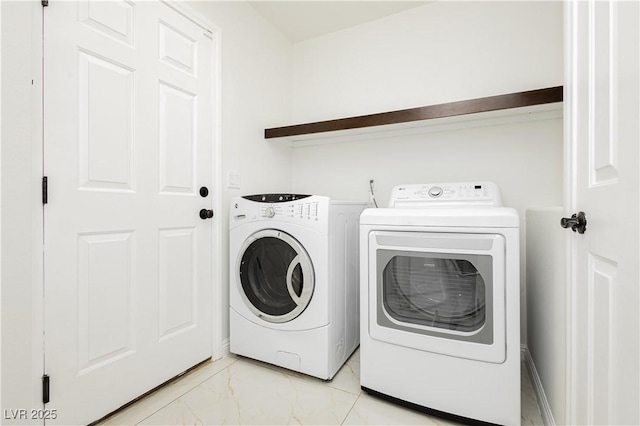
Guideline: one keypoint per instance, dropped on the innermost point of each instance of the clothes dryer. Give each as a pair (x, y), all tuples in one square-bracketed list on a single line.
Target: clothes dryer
[(294, 286), (440, 298)]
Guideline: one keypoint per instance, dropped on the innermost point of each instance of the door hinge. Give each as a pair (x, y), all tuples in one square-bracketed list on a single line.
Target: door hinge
[(45, 389), (45, 190), (44, 3)]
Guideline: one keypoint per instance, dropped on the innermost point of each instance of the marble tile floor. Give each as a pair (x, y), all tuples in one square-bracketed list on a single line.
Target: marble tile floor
[(240, 391)]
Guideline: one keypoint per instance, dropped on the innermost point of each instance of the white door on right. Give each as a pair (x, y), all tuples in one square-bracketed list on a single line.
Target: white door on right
[(602, 118)]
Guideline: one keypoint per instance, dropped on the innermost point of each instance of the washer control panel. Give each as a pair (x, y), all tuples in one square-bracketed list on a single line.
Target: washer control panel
[(305, 210), (275, 198), (292, 208), (446, 194)]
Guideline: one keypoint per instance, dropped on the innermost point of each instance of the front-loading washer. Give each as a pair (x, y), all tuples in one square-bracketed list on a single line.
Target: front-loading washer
[(440, 304), (294, 285)]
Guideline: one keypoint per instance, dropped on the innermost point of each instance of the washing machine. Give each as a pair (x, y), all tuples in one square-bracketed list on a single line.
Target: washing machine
[(294, 281), (440, 300)]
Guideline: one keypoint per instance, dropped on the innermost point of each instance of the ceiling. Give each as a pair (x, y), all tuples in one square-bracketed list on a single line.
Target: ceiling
[(304, 19)]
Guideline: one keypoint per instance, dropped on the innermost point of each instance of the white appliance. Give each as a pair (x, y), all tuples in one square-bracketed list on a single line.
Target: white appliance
[(440, 298), (294, 287)]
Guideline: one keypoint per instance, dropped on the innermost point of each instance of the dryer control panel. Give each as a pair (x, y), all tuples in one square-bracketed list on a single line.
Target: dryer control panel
[(472, 194)]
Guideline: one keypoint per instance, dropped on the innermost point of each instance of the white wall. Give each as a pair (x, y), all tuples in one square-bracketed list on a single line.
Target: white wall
[(21, 283), (440, 52), (525, 159), (547, 304)]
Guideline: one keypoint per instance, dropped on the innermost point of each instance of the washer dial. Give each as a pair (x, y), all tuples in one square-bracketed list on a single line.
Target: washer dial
[(269, 212)]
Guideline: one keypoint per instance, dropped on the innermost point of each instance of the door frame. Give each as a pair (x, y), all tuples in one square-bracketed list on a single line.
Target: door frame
[(569, 188), (37, 362), (569, 152)]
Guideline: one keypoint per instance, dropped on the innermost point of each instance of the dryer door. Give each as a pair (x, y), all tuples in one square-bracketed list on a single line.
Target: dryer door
[(439, 292), (276, 277)]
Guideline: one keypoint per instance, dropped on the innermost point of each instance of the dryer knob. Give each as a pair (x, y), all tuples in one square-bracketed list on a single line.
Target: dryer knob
[(270, 212), (435, 191)]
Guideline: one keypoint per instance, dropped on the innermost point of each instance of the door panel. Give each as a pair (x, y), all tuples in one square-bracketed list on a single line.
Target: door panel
[(601, 291), (178, 285), (177, 49), (128, 261), (177, 134), (105, 119), (105, 277), (603, 89), (114, 19)]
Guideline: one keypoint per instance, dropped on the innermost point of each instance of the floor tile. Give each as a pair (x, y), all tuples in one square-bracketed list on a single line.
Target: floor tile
[(348, 377), (530, 410), (147, 406), (237, 390), (369, 410), (247, 393)]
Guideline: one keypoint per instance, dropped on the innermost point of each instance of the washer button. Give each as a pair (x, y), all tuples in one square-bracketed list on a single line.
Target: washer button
[(435, 191)]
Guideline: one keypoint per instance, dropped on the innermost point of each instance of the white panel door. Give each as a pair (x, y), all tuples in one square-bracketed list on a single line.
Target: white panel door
[(128, 145), (603, 136)]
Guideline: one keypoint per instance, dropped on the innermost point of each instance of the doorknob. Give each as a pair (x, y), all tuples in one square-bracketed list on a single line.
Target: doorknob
[(206, 214), (577, 222)]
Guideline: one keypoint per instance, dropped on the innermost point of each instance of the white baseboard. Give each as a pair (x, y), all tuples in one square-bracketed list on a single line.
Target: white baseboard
[(225, 347), (545, 408)]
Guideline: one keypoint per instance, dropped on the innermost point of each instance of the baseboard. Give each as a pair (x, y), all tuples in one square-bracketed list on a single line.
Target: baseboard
[(226, 347), (545, 408)]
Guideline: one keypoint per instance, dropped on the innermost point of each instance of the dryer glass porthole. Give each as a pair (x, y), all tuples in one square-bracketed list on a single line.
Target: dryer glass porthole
[(276, 276), (443, 295), (439, 293)]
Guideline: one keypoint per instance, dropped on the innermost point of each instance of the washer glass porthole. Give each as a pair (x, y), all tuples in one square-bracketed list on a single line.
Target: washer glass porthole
[(276, 277)]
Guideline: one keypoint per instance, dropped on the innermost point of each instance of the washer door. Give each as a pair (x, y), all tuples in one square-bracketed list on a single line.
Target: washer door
[(276, 277)]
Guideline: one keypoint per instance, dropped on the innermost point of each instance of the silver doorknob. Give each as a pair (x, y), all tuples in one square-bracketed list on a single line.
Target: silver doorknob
[(577, 222)]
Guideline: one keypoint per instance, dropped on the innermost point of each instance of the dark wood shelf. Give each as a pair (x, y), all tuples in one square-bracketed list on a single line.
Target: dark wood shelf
[(473, 106)]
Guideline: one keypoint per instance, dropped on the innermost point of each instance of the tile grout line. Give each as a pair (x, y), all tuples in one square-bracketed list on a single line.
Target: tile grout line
[(351, 409)]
